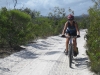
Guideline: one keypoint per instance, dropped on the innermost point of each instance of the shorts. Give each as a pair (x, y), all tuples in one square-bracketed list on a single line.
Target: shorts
[(71, 32)]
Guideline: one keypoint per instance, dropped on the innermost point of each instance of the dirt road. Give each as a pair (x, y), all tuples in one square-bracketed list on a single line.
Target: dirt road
[(46, 57)]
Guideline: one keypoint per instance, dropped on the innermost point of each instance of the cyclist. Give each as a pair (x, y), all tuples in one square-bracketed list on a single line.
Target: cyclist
[(71, 28)]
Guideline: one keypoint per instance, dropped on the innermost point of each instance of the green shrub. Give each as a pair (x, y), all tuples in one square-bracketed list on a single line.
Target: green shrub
[(15, 27), (93, 38)]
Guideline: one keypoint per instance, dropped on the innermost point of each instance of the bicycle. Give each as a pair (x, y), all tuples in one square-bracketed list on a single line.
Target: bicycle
[(70, 49)]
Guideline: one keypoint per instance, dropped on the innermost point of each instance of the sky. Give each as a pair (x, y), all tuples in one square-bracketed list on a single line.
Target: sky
[(45, 6)]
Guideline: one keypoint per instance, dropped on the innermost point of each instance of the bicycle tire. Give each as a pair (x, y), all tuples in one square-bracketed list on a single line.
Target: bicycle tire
[(70, 56)]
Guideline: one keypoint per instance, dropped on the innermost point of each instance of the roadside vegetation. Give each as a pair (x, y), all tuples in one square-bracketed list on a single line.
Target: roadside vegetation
[(21, 26), (93, 37)]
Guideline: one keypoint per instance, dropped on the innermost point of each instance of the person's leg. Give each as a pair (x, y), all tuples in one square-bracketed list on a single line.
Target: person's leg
[(75, 46), (67, 42), (75, 43)]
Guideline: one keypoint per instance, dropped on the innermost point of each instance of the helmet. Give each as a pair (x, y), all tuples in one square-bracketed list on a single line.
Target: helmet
[(70, 17)]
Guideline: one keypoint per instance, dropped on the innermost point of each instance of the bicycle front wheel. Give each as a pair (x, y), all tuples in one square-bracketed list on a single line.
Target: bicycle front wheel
[(70, 55)]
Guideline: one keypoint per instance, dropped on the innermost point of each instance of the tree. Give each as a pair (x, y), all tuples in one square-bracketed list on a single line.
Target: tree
[(71, 11), (15, 3)]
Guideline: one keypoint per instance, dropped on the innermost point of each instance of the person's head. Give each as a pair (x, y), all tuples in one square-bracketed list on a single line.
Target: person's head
[(70, 17)]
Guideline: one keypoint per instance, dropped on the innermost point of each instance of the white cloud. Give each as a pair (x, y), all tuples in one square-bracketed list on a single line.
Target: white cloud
[(44, 6)]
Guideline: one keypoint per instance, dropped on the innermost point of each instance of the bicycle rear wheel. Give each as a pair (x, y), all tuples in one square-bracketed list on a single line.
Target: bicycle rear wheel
[(70, 55)]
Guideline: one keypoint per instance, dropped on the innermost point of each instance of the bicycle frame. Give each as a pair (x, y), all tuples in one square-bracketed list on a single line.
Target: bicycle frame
[(70, 50), (71, 43)]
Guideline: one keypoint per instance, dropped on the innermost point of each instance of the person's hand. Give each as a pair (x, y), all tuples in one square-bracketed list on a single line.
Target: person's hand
[(78, 36), (63, 35)]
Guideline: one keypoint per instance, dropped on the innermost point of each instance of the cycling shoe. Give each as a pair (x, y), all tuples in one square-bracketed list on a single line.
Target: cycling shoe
[(66, 52)]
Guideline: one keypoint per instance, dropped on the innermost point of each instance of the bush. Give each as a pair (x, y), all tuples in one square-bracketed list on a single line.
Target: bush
[(93, 39), (15, 27)]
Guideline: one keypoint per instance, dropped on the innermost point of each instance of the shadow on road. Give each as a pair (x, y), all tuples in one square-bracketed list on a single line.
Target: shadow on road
[(27, 55), (42, 46), (52, 52), (81, 62)]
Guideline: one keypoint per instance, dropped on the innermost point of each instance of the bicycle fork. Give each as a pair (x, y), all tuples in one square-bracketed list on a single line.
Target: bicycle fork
[(70, 52)]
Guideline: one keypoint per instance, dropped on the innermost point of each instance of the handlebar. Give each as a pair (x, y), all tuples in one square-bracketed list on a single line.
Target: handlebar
[(70, 36)]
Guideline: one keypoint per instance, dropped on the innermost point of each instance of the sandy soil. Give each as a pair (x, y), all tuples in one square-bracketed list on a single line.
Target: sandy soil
[(46, 57)]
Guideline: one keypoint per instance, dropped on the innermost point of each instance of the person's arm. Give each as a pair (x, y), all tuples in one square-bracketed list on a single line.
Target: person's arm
[(65, 27), (76, 25)]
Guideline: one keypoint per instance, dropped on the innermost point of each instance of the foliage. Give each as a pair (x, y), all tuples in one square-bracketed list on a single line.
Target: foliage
[(93, 37), (33, 13), (83, 21), (18, 26), (42, 27), (57, 18), (15, 27)]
